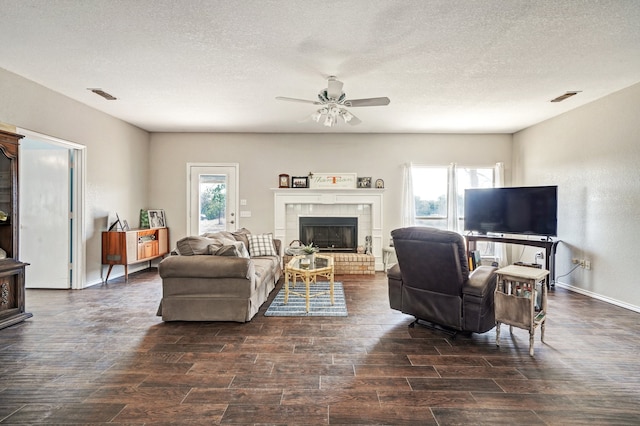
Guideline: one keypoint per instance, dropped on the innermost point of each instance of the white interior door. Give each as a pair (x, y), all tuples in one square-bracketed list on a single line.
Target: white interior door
[(45, 188), (212, 198)]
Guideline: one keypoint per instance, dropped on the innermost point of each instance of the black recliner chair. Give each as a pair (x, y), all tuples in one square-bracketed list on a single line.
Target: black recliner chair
[(431, 281)]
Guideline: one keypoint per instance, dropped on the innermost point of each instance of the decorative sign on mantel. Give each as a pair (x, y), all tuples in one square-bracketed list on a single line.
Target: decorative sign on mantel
[(333, 180)]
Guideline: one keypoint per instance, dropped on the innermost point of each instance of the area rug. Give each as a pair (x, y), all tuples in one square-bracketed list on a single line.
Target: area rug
[(319, 306)]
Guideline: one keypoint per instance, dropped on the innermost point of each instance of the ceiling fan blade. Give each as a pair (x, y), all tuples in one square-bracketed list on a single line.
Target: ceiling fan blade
[(334, 88), (305, 101), (367, 102), (354, 120), (306, 119)]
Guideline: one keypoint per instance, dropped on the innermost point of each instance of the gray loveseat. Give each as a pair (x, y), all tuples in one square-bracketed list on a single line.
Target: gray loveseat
[(216, 277)]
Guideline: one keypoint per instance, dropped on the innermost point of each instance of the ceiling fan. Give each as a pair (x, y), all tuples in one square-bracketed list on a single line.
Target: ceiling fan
[(333, 103)]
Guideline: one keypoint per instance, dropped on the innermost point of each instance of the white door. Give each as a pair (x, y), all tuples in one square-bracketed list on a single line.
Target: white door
[(45, 188), (212, 198)]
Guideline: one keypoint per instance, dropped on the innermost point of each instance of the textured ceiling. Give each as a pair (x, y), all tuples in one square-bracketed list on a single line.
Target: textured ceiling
[(485, 66)]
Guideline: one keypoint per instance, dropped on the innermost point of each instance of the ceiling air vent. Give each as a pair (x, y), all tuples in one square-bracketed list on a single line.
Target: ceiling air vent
[(565, 96), (104, 94)]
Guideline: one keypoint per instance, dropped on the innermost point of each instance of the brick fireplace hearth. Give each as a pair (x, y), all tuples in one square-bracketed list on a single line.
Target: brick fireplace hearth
[(364, 204), (349, 263)]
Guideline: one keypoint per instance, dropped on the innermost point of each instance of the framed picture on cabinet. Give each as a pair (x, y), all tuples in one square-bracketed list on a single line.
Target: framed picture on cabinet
[(156, 219), (116, 225)]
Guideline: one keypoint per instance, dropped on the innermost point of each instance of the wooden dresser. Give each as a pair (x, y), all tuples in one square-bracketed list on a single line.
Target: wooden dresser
[(135, 246)]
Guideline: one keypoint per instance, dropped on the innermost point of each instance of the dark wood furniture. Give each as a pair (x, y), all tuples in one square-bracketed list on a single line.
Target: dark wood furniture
[(135, 246), (12, 271), (549, 246)]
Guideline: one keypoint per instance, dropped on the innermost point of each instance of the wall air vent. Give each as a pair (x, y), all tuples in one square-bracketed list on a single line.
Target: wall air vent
[(565, 96), (104, 94)]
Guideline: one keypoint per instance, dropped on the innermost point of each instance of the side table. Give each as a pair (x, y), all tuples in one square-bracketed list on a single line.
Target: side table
[(515, 300), (386, 254)]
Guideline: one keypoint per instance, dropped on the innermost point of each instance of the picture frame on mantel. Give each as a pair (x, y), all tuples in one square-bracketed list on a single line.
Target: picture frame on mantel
[(333, 180), (364, 182), (299, 182)]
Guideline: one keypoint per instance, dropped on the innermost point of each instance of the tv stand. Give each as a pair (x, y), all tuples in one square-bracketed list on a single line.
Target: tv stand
[(549, 246)]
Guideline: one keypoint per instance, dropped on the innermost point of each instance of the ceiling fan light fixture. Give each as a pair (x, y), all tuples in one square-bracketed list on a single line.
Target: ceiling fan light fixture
[(346, 115), (329, 121), (333, 102)]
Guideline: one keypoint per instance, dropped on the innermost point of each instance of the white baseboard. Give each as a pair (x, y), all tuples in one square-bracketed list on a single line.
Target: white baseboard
[(599, 297), (118, 271)]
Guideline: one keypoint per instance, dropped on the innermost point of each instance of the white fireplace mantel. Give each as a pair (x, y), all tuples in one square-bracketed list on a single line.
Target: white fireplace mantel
[(333, 196)]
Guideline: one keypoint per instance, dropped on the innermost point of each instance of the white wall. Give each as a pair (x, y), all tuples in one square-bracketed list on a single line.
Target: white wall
[(262, 157), (592, 153), (117, 163)]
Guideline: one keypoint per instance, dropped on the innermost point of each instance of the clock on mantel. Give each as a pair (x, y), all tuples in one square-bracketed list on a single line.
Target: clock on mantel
[(283, 181)]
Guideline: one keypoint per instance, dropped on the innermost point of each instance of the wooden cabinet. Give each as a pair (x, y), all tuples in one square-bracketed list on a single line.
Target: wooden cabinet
[(135, 246), (12, 271)]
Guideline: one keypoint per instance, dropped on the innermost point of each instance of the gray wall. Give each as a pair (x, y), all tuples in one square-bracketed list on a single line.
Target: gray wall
[(592, 153), (116, 154), (262, 157)]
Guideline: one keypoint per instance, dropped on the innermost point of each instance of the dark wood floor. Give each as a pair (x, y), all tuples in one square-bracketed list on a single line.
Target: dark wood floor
[(100, 355)]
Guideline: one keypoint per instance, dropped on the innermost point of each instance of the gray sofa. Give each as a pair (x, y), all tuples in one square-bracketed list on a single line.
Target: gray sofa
[(215, 277)]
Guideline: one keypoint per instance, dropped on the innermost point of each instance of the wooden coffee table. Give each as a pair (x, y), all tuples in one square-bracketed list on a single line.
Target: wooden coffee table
[(321, 267)]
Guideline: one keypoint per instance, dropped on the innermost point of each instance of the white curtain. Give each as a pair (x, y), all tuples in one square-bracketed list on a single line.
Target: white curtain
[(500, 248), (408, 208), (452, 199)]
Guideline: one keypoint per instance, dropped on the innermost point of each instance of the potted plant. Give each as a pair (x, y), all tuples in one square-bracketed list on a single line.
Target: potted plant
[(310, 250)]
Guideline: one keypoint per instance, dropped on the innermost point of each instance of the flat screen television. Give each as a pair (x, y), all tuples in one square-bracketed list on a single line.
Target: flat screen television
[(529, 210)]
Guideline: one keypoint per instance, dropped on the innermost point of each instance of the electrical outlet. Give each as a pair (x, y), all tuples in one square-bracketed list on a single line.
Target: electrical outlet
[(586, 264)]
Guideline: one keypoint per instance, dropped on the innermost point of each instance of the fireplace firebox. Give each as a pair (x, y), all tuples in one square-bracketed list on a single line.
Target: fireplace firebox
[(330, 234)]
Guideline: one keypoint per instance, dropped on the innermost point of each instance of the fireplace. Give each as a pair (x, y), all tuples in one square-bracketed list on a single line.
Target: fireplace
[(365, 205), (331, 234)]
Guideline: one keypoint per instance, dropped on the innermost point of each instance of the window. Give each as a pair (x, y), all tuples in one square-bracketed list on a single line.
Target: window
[(468, 178), (430, 195), (431, 186)]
